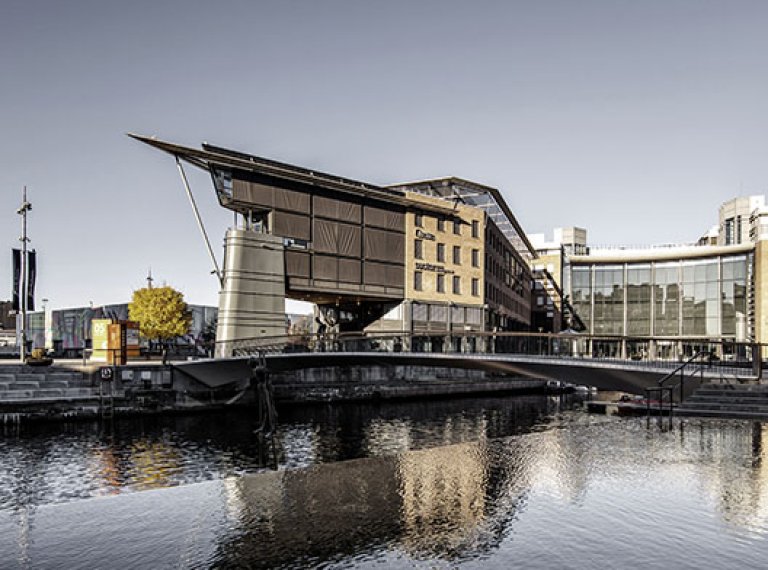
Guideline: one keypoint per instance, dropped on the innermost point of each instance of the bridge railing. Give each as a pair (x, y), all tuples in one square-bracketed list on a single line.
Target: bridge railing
[(729, 358)]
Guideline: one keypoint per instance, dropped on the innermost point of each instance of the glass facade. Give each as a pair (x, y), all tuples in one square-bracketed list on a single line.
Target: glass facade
[(689, 298), (639, 284), (666, 299), (701, 296), (581, 293), (734, 290), (608, 300)]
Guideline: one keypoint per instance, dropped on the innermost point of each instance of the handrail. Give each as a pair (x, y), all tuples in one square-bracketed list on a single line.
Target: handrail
[(505, 334), (661, 388), (734, 357), (684, 364)]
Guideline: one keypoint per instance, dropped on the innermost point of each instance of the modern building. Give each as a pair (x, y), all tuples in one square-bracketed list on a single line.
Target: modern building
[(551, 311), (7, 316), (442, 256), (654, 298), (437, 255), (66, 332), (669, 294), (734, 219)]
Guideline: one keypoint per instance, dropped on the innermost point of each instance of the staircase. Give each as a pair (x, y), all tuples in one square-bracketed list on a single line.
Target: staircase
[(25, 384), (749, 401)]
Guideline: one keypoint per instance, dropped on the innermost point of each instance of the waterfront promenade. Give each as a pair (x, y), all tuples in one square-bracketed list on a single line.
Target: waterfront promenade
[(370, 367)]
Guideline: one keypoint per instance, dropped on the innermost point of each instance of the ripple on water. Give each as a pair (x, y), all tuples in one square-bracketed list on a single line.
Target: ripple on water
[(467, 482)]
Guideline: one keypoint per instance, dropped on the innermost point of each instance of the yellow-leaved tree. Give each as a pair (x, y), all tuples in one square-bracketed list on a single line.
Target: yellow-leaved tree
[(161, 313)]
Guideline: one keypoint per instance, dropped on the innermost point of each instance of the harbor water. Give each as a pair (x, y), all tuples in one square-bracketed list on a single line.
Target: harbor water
[(533, 482)]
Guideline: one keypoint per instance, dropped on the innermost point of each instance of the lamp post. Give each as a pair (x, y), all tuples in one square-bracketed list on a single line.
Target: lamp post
[(22, 211)]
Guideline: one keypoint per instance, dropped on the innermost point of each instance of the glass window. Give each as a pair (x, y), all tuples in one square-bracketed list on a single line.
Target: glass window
[(222, 181), (438, 313), (419, 220), (475, 287), (475, 228), (418, 249), (581, 292), (666, 295), (457, 254), (474, 316), (733, 307), (457, 227), (639, 299), (440, 224), (440, 283), (417, 281), (456, 285), (608, 299), (701, 298), (475, 258), (729, 232), (441, 252)]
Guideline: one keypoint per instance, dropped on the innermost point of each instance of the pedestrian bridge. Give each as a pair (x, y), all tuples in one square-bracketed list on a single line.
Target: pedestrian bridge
[(607, 363)]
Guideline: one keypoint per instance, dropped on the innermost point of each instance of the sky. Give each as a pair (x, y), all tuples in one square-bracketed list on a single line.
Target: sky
[(635, 120)]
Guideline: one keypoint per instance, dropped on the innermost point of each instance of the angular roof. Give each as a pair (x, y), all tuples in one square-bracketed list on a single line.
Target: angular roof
[(213, 156)]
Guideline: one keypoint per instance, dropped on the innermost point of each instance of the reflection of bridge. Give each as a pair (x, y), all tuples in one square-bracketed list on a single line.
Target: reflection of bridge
[(609, 363)]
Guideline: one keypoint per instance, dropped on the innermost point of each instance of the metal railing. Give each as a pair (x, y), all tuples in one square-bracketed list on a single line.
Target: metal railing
[(725, 358), (663, 390)]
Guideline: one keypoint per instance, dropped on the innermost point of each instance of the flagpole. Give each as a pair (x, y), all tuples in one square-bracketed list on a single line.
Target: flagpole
[(22, 211)]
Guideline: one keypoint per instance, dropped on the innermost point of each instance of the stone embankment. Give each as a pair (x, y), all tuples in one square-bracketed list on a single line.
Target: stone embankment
[(73, 390)]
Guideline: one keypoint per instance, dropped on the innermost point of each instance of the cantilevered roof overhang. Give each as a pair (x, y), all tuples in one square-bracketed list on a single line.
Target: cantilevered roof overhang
[(212, 156)]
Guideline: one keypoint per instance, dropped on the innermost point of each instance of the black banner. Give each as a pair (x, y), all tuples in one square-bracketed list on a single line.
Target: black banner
[(31, 276), (16, 263)]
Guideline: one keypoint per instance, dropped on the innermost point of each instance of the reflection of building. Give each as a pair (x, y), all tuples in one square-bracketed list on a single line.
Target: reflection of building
[(443, 494), (738, 483)]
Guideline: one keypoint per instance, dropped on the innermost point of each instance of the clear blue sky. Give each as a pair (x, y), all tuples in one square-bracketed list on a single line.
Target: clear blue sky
[(633, 119)]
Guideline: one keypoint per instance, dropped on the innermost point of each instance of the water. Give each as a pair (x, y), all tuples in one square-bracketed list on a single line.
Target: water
[(530, 482)]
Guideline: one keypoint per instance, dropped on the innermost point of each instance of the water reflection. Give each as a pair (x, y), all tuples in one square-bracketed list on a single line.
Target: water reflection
[(492, 482), (463, 502), (51, 463)]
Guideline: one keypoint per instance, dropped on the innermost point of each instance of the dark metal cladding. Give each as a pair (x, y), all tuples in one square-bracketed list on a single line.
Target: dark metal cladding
[(344, 239)]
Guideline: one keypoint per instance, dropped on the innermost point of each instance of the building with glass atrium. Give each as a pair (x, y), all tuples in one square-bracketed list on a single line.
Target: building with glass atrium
[(655, 297), (692, 293)]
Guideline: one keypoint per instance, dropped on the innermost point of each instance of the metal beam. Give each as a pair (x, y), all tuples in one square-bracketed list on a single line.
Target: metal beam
[(199, 220)]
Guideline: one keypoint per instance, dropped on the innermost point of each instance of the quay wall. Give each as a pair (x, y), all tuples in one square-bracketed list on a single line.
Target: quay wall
[(74, 391)]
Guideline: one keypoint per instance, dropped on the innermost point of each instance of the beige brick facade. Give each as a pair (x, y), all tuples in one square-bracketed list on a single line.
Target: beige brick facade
[(425, 228), (761, 292)]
